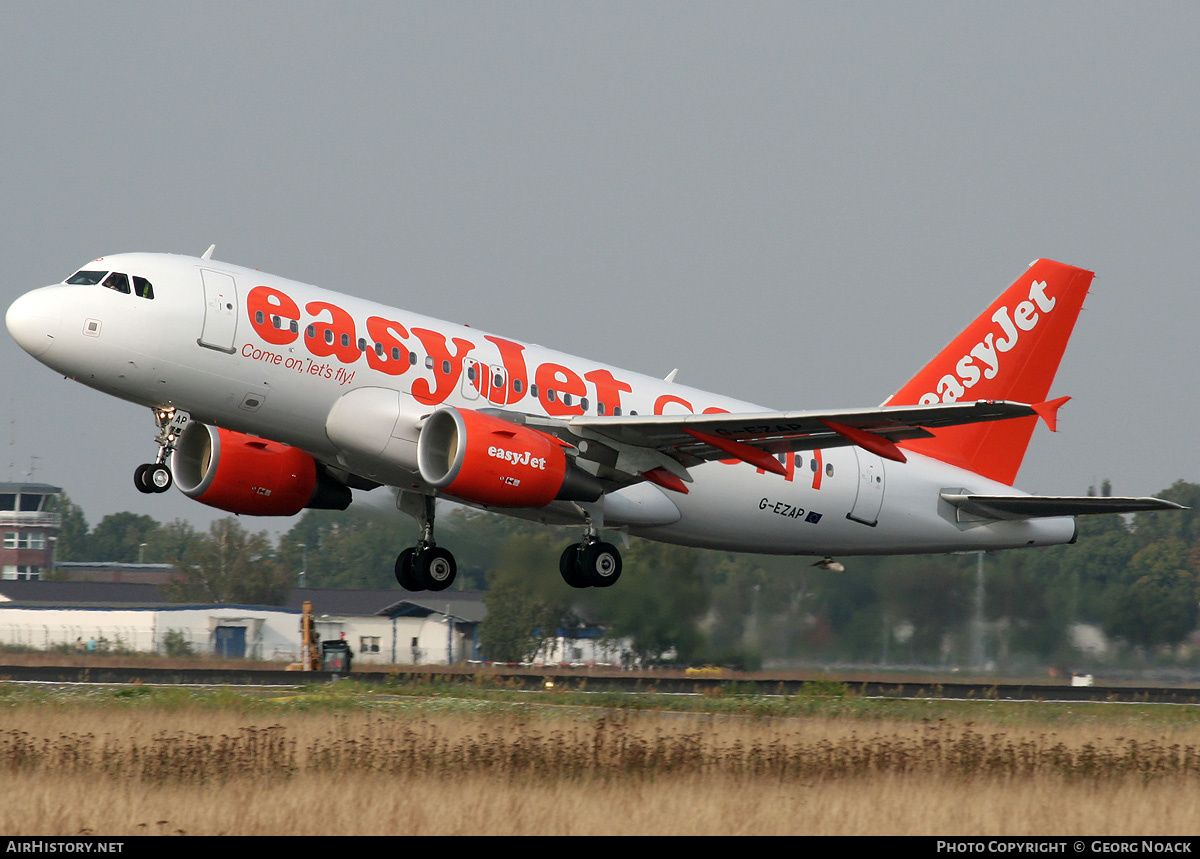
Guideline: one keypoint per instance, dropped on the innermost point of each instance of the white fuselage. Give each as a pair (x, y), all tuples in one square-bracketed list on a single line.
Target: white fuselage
[(272, 357)]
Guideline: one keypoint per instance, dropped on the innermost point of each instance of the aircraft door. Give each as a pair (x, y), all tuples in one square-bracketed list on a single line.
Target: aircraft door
[(871, 485), (220, 311), (499, 389), (474, 379), (483, 379)]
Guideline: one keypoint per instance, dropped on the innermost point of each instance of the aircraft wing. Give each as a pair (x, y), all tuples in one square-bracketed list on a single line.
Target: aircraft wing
[(1035, 506), (646, 446)]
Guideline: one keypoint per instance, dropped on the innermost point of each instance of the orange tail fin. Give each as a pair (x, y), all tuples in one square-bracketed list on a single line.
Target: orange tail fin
[(1011, 352)]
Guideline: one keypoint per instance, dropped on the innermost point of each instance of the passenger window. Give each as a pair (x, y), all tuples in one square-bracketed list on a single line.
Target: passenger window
[(86, 278), (310, 332), (117, 281), (329, 336), (518, 386), (600, 408), (142, 287)]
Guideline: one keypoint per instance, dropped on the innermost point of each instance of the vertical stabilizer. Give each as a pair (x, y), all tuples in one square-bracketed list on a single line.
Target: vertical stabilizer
[(1011, 352)]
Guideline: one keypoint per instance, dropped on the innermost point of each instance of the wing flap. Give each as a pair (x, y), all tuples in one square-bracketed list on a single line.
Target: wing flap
[(683, 436)]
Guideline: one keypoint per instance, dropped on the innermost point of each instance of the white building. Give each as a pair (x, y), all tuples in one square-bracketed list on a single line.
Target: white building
[(107, 617), (382, 626), (396, 627)]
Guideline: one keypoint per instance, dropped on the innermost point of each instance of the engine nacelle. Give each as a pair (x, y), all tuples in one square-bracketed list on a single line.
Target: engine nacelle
[(245, 474), (490, 461)]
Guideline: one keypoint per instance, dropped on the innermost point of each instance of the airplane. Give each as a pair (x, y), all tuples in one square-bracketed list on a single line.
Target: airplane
[(271, 396)]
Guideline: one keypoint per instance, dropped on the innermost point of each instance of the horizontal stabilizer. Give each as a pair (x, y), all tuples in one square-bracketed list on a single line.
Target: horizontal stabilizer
[(1036, 506)]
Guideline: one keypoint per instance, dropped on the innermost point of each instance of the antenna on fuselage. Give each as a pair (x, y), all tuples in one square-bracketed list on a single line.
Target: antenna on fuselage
[(208, 253), (671, 376)]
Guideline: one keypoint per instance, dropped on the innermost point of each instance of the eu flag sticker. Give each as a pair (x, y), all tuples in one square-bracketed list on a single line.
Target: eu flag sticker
[(813, 517)]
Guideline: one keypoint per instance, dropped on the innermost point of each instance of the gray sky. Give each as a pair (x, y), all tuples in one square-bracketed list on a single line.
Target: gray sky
[(794, 203)]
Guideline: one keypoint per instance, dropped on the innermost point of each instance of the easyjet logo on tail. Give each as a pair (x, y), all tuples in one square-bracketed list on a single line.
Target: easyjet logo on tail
[(1011, 351), (984, 358)]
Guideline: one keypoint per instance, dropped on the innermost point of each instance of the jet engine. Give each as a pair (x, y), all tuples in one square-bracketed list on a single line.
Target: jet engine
[(245, 474), (488, 460)]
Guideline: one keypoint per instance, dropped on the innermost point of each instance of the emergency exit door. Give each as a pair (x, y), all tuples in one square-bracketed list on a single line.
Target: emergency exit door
[(220, 311)]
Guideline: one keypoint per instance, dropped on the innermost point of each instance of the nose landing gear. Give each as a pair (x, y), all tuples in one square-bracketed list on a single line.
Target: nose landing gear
[(154, 477)]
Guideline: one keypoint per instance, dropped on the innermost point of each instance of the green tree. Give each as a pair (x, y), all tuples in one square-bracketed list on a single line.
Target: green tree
[(172, 543), (525, 607), (231, 565), (119, 537), (1158, 604), (73, 535), (658, 603), (355, 548)]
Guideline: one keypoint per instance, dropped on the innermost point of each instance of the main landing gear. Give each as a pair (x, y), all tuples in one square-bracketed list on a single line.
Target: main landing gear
[(591, 563), (156, 476), (427, 566)]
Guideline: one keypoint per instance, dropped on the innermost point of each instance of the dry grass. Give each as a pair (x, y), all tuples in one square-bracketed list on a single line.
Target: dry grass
[(132, 770)]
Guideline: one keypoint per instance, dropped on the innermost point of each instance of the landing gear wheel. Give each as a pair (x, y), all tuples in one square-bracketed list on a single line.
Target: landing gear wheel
[(568, 567), (434, 568), (600, 563), (158, 478), (152, 477), (139, 478), (404, 571)]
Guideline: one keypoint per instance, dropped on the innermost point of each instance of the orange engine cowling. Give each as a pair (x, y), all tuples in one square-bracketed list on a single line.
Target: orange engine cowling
[(488, 460), (245, 474)]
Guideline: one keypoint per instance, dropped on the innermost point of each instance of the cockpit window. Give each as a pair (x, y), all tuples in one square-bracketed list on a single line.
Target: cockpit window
[(118, 281), (86, 278), (142, 287)]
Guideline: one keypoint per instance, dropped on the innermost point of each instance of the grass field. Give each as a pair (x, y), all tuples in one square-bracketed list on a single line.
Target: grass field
[(348, 759)]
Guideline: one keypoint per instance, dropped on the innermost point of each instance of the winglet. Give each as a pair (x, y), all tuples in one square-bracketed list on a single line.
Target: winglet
[(744, 452), (869, 441), (665, 479), (1048, 411)]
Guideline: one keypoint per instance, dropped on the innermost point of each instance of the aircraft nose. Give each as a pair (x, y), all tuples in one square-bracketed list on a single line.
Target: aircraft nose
[(33, 321)]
